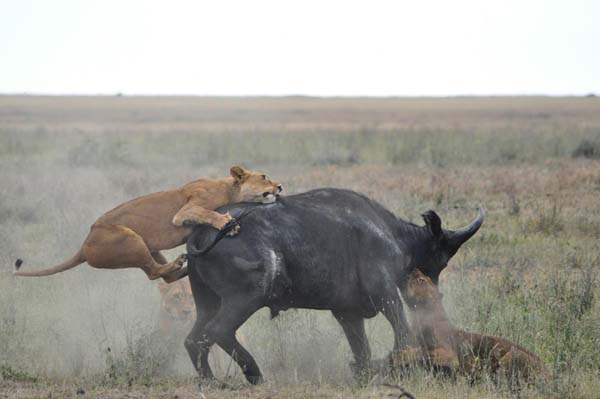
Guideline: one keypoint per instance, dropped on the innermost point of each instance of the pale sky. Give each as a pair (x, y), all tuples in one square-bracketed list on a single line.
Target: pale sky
[(255, 47)]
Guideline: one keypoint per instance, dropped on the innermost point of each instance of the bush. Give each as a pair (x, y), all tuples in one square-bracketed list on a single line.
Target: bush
[(588, 148), (11, 374)]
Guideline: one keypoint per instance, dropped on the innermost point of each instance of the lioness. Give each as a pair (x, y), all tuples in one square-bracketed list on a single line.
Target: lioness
[(440, 345), (176, 306), (132, 234)]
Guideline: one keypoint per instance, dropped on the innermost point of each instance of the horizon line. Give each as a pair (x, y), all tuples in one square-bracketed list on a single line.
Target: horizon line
[(124, 94)]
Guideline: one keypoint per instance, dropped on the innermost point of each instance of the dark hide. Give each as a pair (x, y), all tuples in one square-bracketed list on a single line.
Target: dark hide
[(325, 249)]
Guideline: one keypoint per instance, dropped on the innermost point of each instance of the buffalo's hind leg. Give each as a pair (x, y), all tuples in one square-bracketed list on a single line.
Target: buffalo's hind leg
[(221, 329), (229, 343), (354, 328), (207, 306)]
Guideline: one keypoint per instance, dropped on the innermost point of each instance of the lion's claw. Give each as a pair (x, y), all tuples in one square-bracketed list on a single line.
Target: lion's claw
[(181, 259), (231, 228), (234, 230)]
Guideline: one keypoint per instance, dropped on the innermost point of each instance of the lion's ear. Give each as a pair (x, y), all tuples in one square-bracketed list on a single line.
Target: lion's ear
[(238, 173)]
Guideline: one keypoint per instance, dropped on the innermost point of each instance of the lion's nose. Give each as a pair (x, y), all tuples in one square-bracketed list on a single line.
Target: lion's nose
[(279, 188)]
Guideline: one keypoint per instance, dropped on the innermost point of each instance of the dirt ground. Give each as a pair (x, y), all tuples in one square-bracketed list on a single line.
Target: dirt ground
[(188, 389)]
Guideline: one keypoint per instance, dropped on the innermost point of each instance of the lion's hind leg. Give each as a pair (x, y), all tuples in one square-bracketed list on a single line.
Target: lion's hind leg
[(518, 366), (118, 247), (171, 276)]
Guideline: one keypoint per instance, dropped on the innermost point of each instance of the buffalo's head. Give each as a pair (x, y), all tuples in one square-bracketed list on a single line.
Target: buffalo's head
[(443, 244)]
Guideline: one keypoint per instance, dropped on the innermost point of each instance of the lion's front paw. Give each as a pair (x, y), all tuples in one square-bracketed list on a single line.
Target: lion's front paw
[(181, 259), (231, 226), (224, 221)]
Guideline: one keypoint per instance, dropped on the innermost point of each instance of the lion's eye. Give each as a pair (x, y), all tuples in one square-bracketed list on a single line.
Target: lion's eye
[(264, 177)]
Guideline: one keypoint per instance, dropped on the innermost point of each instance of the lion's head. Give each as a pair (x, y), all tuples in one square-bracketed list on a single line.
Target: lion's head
[(177, 302), (419, 289), (255, 186)]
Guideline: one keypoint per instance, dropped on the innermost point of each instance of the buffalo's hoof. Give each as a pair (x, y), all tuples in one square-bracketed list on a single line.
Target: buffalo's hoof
[(255, 379), (362, 373), (201, 392), (204, 382)]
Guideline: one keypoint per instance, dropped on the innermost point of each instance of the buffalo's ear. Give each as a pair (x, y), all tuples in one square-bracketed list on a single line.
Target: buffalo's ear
[(433, 223), (238, 173)]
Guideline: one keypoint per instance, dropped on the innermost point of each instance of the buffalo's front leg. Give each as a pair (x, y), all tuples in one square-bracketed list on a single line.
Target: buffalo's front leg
[(392, 309), (354, 328)]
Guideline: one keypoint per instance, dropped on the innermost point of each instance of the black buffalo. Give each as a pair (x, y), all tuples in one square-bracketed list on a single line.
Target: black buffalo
[(325, 249)]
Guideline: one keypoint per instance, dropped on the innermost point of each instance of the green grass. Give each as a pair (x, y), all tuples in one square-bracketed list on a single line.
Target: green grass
[(530, 274)]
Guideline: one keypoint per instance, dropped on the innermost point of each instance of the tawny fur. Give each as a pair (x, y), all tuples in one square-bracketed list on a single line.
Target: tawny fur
[(132, 234), (176, 306), (440, 345)]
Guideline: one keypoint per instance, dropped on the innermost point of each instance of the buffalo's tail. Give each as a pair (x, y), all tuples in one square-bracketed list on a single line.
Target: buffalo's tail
[(193, 250)]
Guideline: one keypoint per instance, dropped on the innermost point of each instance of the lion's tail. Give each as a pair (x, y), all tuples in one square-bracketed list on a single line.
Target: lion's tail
[(75, 260)]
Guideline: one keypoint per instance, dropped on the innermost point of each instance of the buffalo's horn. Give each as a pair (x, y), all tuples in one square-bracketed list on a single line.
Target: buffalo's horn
[(459, 237)]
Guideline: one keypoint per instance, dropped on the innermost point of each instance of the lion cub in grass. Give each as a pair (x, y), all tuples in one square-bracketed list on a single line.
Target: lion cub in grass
[(134, 233), (441, 346)]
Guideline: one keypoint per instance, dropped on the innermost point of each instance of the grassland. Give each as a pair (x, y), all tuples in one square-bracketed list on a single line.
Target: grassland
[(530, 275)]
